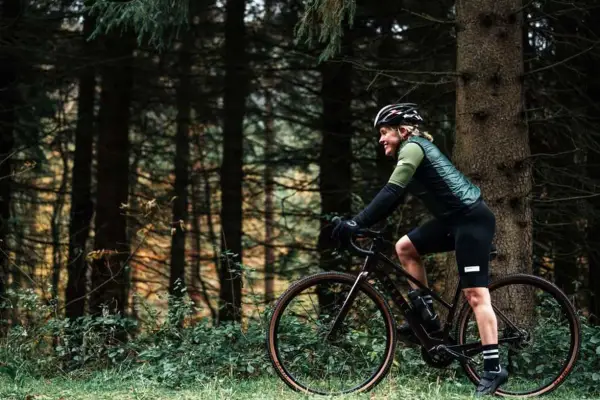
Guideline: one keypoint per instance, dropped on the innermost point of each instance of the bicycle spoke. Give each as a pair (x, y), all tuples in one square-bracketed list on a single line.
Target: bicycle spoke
[(359, 350), (538, 335), (503, 317)]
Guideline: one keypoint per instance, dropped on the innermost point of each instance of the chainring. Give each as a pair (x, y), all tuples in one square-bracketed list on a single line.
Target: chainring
[(437, 360)]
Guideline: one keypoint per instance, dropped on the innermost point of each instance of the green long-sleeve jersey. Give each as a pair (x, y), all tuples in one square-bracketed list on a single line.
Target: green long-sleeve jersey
[(424, 171)]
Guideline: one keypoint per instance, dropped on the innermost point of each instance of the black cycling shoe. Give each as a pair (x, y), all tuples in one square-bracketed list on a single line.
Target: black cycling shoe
[(490, 381)]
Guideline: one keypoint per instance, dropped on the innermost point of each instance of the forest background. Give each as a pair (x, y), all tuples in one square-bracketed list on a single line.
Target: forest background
[(168, 164)]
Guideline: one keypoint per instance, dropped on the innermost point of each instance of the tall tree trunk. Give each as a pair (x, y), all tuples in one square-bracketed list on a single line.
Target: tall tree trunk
[(566, 268), (269, 208), (11, 11), (196, 273), (492, 145), (56, 223), (564, 167), (82, 207), (335, 161), (386, 94), (206, 206), (594, 272), (133, 225), (20, 261), (182, 161), (234, 104), (197, 279), (108, 271), (268, 174), (593, 229), (537, 144), (593, 162)]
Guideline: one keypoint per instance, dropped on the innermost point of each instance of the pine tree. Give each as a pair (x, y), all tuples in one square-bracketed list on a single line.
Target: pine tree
[(109, 278), (234, 110), (10, 15), (81, 202)]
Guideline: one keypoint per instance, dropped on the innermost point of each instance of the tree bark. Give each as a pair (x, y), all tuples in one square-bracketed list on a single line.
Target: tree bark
[(492, 145), (268, 173), (57, 256), (386, 94), (197, 279), (234, 104), (21, 260), (593, 161), (11, 11), (82, 206), (567, 237), (207, 207), (269, 208), (108, 271), (335, 160), (566, 267), (182, 160)]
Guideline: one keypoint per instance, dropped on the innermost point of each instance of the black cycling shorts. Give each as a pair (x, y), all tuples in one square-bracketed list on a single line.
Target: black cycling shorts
[(469, 234)]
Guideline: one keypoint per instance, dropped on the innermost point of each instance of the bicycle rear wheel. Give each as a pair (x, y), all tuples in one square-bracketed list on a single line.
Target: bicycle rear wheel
[(355, 361), (538, 334)]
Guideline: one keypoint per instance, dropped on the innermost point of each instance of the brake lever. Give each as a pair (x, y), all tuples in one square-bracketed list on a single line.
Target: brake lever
[(366, 233)]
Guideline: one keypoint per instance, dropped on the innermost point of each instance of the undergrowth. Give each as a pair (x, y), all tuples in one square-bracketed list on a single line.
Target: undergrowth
[(178, 351)]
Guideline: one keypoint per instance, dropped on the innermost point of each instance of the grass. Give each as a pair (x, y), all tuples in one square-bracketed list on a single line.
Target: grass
[(111, 385)]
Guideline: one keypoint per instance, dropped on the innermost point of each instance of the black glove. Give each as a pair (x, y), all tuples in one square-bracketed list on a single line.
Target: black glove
[(344, 230)]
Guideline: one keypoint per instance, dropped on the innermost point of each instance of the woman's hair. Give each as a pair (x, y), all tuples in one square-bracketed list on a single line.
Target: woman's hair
[(415, 131)]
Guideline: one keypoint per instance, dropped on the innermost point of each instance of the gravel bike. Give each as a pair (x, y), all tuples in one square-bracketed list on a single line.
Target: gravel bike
[(335, 333)]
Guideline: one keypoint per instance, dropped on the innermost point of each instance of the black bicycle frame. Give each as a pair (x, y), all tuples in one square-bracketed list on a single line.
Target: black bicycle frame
[(372, 267)]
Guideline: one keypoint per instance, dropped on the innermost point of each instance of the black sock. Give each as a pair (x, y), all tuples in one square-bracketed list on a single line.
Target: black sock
[(491, 359)]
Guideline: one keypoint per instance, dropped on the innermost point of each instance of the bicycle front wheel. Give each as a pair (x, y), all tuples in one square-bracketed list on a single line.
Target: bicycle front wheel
[(538, 334), (307, 359)]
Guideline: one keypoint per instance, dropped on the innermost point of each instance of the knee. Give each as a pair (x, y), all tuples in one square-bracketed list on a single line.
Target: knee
[(406, 250), (476, 297)]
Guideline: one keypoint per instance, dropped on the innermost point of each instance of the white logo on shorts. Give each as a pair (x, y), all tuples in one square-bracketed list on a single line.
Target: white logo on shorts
[(474, 268)]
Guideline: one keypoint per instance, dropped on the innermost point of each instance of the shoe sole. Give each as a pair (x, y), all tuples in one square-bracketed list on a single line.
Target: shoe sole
[(492, 393)]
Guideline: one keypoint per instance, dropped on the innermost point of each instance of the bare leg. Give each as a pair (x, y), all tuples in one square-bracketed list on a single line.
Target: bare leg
[(480, 301), (493, 375), (411, 261)]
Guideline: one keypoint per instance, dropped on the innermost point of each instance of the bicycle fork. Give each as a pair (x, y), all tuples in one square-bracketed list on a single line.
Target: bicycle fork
[(346, 306)]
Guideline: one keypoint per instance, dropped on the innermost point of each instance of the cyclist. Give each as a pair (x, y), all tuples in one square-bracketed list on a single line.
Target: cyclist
[(462, 222)]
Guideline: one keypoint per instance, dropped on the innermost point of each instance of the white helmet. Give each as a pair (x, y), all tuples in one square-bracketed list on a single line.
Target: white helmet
[(398, 114)]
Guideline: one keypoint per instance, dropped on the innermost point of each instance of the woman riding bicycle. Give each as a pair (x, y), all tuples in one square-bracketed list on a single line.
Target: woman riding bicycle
[(462, 222)]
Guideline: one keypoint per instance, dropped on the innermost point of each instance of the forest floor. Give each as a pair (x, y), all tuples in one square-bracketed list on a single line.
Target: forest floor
[(110, 386)]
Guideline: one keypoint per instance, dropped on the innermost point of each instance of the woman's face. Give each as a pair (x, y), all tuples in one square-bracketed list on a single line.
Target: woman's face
[(391, 137)]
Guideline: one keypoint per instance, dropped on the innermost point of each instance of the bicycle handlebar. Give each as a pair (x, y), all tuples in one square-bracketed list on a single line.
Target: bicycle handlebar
[(369, 233)]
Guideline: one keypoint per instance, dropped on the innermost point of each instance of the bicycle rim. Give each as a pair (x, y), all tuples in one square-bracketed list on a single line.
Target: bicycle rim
[(547, 332), (356, 361)]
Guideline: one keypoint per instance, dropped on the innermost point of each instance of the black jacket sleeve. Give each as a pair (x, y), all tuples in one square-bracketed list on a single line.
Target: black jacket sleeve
[(386, 201)]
